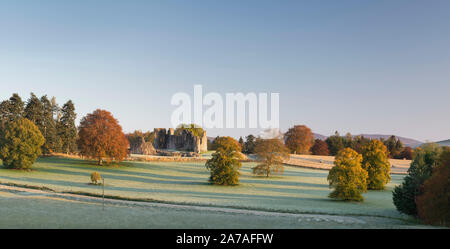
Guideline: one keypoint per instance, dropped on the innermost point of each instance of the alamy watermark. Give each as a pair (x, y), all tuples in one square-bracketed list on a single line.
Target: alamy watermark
[(238, 110)]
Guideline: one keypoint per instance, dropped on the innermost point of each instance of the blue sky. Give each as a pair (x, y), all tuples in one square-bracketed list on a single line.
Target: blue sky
[(352, 66)]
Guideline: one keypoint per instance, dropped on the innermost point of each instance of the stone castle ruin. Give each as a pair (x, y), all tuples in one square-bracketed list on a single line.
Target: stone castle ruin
[(180, 140), (139, 146), (169, 142)]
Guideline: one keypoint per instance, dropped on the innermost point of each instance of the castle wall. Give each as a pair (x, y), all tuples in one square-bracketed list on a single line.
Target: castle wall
[(185, 141), (142, 147)]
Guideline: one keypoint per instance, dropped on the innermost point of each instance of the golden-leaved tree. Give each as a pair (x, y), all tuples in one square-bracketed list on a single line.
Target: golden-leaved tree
[(225, 162), (347, 177), (20, 144), (376, 163)]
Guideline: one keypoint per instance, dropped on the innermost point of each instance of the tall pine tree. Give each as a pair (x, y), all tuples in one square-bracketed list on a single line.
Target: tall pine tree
[(48, 129), (33, 111), (11, 110), (66, 129)]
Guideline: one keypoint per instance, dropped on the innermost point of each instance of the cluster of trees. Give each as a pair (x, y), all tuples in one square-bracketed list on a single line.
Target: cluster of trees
[(226, 161), (38, 126), (395, 147), (354, 173), (300, 140), (425, 190), (56, 124), (423, 193)]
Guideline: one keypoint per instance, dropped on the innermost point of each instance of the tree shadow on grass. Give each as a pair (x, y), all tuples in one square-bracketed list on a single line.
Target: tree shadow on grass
[(182, 180), (117, 175), (128, 174), (127, 166), (124, 174), (76, 161), (185, 193)]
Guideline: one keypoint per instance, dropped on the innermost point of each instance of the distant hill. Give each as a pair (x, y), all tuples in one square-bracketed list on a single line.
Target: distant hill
[(319, 136), (406, 141), (444, 142)]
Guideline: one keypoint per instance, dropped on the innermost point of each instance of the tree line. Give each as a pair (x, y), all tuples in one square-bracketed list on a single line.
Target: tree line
[(39, 125), (55, 123), (299, 139)]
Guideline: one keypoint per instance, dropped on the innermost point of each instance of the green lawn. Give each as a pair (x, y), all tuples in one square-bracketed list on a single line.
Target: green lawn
[(298, 190)]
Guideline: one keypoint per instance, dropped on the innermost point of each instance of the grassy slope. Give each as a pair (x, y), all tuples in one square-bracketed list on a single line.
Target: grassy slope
[(298, 190)]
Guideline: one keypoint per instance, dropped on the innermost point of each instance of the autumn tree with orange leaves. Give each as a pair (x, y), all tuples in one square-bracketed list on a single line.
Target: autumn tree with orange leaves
[(101, 137), (299, 139)]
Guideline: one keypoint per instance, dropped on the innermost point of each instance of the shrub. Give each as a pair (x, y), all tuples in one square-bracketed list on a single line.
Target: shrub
[(299, 139), (20, 144), (225, 162), (96, 178), (434, 204), (100, 136), (376, 163), (347, 177), (320, 148), (425, 159)]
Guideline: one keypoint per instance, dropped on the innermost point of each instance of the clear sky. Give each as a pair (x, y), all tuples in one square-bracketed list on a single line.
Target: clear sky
[(352, 66)]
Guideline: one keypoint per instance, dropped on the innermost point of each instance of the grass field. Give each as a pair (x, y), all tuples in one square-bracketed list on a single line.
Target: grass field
[(31, 210), (398, 166), (298, 190)]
